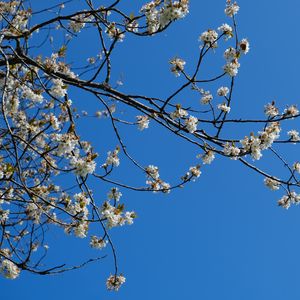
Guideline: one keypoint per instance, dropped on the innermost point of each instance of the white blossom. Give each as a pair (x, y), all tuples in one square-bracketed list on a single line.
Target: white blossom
[(271, 110), (112, 158), (178, 113), (33, 212), (9, 269), (223, 91), (244, 46), (209, 37), (173, 11), (4, 215), (78, 22), (195, 171), (165, 187), (158, 18), (191, 124), (231, 9), (224, 107), (255, 144), (58, 88), (226, 29), (291, 111), (34, 96), (269, 135), (114, 282), (152, 16), (54, 121), (206, 98), (272, 184), (285, 202), (143, 122), (231, 150), (114, 194), (81, 229), (8, 7), (132, 26), (152, 172), (230, 53), (294, 135), (208, 157), (129, 216), (114, 32), (82, 199), (177, 65), (114, 215), (83, 166), (231, 68), (97, 243), (66, 143), (296, 167)]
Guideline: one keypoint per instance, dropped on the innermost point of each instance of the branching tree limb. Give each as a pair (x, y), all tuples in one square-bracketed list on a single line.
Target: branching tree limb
[(41, 143)]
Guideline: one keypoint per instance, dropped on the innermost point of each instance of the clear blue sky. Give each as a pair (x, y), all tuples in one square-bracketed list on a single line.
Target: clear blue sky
[(222, 237)]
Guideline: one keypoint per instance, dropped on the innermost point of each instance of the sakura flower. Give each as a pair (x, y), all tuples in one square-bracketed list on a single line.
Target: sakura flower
[(152, 172), (206, 98), (97, 243), (9, 269), (231, 150), (223, 91), (284, 202), (58, 89), (231, 9), (230, 53), (195, 171), (223, 107), (114, 282), (114, 194), (271, 110), (296, 167), (178, 113), (226, 29), (244, 46), (231, 68), (177, 66), (112, 158), (272, 184), (114, 32), (209, 37), (83, 166), (294, 135), (143, 122), (81, 229), (208, 157), (291, 111), (191, 124)]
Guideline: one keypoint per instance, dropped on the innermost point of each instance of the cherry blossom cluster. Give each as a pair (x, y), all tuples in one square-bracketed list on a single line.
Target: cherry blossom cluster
[(159, 16)]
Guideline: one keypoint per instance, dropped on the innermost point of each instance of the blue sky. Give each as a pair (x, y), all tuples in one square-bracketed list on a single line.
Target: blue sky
[(222, 237)]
